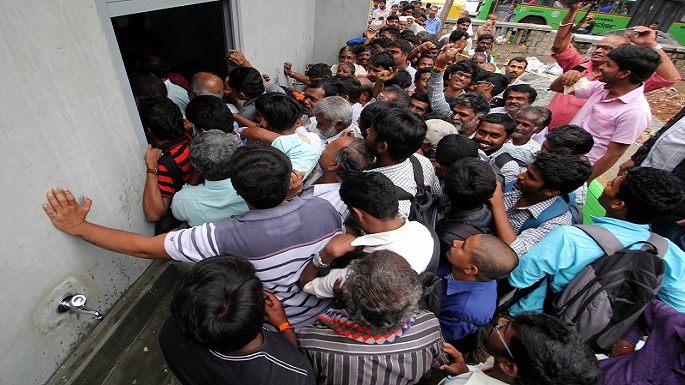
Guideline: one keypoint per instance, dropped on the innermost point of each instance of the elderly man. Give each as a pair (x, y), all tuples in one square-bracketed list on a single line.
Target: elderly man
[(205, 83), (380, 335), (333, 117)]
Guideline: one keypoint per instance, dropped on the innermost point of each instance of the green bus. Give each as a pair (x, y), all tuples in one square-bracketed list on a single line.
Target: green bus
[(669, 13)]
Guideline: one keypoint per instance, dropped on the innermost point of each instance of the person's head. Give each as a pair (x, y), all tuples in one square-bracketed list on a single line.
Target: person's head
[(420, 103), (518, 96), (345, 156), (421, 78), (363, 53), (491, 84), (530, 120), (393, 21), (643, 195), (512, 7), (396, 96), (381, 61), (391, 32), (205, 83), (515, 68), (278, 112), (208, 112), (488, 67), (147, 86), (382, 291), (408, 10), (536, 349), (260, 174), (380, 44), (317, 90), (333, 115), (400, 50), (211, 153), (402, 79), (319, 71), (246, 83), (345, 69), (463, 23), (460, 75), (630, 63), (369, 196), (393, 10), (484, 43), (481, 258), (155, 66), (458, 35), (437, 129), (365, 90), (346, 55), (604, 46), (468, 110), (653, 25), (161, 118), (425, 61), (381, 4), (451, 149), (469, 182), (348, 88), (492, 17), (493, 130), (479, 58), (570, 139), (432, 12), (219, 303), (396, 134), (553, 174)]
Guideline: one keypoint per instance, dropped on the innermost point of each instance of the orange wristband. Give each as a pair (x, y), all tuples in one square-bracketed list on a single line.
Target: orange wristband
[(283, 326)]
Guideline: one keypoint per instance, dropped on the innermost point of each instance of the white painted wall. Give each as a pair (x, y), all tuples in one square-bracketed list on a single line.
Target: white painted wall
[(64, 122)]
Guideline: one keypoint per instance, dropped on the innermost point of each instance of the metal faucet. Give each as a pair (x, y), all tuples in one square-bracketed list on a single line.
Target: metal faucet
[(76, 303)]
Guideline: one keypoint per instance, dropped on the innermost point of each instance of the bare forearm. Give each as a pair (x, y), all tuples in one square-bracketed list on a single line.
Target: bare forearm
[(667, 69), (300, 78), (308, 274), (557, 85), (153, 202), (565, 31), (243, 121), (503, 227), (260, 134), (604, 163), (122, 241)]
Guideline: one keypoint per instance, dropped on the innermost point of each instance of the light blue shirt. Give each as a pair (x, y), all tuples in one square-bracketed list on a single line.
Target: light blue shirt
[(566, 250), (433, 26), (303, 156), (213, 201)]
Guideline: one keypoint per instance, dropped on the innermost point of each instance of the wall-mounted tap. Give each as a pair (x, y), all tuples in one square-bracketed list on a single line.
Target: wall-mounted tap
[(76, 303)]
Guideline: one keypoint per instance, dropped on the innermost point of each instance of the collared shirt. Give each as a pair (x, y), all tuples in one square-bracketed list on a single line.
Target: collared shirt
[(464, 301), (474, 376), (177, 94), (509, 170), (327, 191), (619, 120), (433, 26), (525, 152), (212, 201), (565, 106), (412, 241), (528, 238), (669, 149), (303, 156), (566, 250)]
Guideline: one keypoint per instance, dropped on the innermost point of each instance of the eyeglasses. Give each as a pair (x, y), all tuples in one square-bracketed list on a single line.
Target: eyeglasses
[(606, 48), (463, 75), (484, 82), (499, 326)]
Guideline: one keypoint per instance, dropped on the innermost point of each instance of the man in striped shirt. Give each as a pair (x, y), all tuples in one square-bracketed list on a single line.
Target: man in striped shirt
[(278, 236)]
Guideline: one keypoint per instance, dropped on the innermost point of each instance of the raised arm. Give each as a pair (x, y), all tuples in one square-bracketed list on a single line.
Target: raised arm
[(565, 31), (69, 216), (154, 204), (647, 38)]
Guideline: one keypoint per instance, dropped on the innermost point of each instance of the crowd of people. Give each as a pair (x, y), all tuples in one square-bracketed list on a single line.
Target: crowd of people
[(365, 230)]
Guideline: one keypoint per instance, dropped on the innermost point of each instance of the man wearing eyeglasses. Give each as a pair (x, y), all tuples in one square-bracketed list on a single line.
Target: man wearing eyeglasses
[(531, 348), (563, 106)]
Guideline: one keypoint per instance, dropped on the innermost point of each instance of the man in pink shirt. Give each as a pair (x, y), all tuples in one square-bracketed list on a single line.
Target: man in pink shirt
[(616, 111), (564, 107)]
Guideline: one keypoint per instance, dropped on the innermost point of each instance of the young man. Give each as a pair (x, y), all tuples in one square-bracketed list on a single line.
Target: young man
[(565, 106), (400, 50), (459, 77), (421, 79), (493, 131), (616, 111), (261, 175), (515, 97), (420, 104), (490, 84), (538, 201), (488, 28), (632, 202), (513, 71), (484, 45)]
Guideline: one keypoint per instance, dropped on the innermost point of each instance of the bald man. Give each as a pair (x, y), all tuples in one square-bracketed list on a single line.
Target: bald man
[(205, 83)]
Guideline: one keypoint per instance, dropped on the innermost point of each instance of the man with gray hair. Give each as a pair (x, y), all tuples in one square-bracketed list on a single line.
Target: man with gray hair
[(216, 199), (334, 116), (379, 327), (205, 83), (468, 109)]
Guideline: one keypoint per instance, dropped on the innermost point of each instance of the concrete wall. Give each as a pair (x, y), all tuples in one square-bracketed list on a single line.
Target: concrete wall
[(64, 122)]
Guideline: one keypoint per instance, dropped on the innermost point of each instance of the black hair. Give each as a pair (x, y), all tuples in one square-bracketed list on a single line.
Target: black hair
[(402, 79), (463, 20), (475, 101), (369, 113), (401, 99), (413, 40), (261, 175), (382, 41), (501, 119), (162, 117), (486, 36), (407, 33), (421, 97), (372, 192), (360, 48), (408, 6), (543, 346), (469, 183), (641, 61), (464, 66), (154, 65), (571, 137), (650, 194), (219, 303), (428, 37), (146, 86), (420, 72), (403, 131), (457, 34), (519, 59), (394, 31), (280, 110), (454, 147), (383, 60), (524, 89), (561, 172), (499, 82), (329, 89), (319, 71), (348, 86), (423, 56), (210, 113), (246, 80), (393, 17)]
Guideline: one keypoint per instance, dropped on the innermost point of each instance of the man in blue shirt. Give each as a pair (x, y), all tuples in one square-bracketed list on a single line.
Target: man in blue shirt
[(632, 202), (433, 24)]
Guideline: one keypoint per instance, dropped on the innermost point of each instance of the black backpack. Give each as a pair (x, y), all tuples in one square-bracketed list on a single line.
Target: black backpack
[(605, 298), (424, 207)]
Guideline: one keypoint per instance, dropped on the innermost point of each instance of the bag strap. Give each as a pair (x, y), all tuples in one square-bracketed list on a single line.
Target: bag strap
[(604, 238), (461, 230), (418, 172), (659, 243), (519, 295)]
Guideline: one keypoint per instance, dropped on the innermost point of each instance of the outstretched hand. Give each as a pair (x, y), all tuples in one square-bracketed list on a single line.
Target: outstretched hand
[(457, 365), (64, 212), (447, 54), (238, 58), (273, 308)]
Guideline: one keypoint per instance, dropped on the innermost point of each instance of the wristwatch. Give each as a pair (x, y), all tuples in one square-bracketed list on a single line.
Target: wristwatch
[(318, 263), (152, 170), (657, 47)]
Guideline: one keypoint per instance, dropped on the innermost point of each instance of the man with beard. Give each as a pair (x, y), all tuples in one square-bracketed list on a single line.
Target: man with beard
[(565, 106), (333, 117), (317, 90), (513, 71), (468, 109), (515, 98)]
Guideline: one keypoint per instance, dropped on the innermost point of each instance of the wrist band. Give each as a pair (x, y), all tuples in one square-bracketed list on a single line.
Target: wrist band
[(565, 25), (318, 263), (283, 326), (657, 47), (438, 69), (152, 170)]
